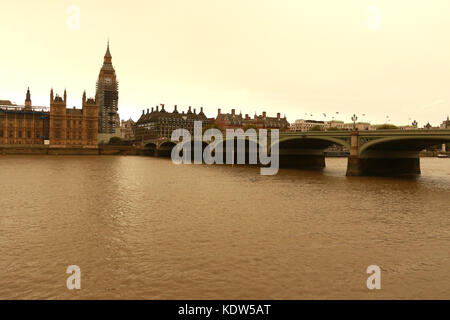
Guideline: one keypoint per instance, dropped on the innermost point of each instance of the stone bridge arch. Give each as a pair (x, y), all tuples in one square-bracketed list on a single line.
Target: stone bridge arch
[(400, 143), (306, 151), (391, 153)]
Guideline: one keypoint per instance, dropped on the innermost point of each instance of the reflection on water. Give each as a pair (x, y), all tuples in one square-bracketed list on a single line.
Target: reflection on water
[(141, 227)]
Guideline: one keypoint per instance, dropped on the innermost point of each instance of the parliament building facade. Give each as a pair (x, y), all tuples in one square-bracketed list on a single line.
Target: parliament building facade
[(59, 126)]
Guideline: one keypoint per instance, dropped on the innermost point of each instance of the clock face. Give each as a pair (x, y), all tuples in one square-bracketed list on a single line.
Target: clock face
[(108, 80)]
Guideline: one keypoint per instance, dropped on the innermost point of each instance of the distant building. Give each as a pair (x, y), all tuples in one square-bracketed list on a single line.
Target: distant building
[(306, 125), (230, 120), (265, 122), (23, 124), (159, 124), (236, 121), (445, 124), (359, 126), (73, 127), (127, 129), (108, 100), (335, 124), (6, 103)]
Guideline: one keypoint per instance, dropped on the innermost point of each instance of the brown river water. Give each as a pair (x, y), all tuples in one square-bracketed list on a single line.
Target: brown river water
[(144, 228)]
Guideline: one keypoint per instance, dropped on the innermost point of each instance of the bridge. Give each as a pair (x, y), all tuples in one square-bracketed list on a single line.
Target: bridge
[(372, 153)]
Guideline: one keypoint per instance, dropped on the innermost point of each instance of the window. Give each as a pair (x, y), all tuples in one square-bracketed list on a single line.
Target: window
[(20, 134), (28, 134), (1, 133)]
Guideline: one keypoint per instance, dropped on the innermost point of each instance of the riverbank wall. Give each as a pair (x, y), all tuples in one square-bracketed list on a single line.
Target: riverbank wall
[(50, 150)]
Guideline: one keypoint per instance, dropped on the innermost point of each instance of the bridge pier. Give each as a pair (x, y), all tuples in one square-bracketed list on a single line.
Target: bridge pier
[(383, 166), (302, 159), (381, 162)]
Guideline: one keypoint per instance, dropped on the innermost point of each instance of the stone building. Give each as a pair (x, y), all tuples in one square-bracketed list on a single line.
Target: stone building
[(127, 129), (23, 124), (73, 127), (306, 125), (235, 121), (445, 124), (265, 122), (231, 120), (159, 124)]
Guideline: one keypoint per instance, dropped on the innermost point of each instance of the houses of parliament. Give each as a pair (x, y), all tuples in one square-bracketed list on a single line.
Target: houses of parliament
[(59, 126)]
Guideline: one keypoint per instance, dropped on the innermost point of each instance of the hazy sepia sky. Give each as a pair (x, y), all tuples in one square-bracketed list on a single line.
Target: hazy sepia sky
[(375, 57)]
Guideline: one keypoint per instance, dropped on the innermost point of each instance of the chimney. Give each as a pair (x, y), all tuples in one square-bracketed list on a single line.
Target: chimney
[(218, 111), (264, 114), (246, 116), (157, 108), (189, 109), (194, 111), (175, 108), (143, 111), (232, 112), (201, 109), (147, 110), (152, 109), (278, 116)]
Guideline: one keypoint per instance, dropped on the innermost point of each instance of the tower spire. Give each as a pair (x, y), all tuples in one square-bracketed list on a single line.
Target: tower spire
[(108, 54)]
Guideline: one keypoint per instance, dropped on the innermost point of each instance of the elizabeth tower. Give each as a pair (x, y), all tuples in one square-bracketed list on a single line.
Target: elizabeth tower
[(108, 97)]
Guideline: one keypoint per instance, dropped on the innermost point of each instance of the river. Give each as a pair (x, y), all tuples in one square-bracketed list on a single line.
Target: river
[(144, 228)]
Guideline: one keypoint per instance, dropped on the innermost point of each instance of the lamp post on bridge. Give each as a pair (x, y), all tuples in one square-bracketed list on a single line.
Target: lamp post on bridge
[(414, 124), (354, 118)]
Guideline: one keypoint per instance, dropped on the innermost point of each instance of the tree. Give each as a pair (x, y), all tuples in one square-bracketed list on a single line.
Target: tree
[(315, 128), (250, 126), (212, 126), (387, 126), (115, 140)]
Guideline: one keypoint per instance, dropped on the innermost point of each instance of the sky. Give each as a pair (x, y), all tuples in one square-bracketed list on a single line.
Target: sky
[(387, 61)]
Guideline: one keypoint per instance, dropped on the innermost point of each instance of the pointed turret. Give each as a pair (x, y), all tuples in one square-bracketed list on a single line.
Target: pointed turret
[(108, 56), (28, 99)]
